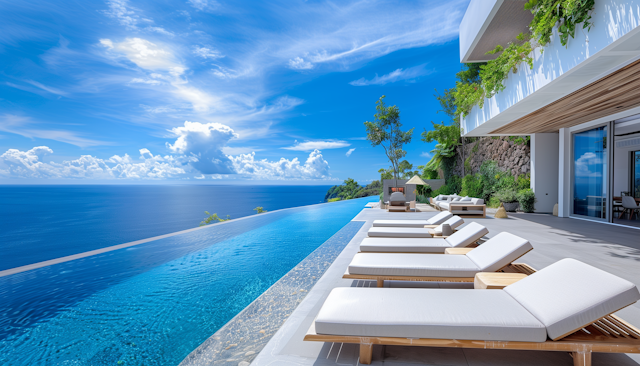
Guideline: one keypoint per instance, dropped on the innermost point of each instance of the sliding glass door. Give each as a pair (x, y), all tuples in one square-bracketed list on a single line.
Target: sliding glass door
[(635, 168), (590, 167)]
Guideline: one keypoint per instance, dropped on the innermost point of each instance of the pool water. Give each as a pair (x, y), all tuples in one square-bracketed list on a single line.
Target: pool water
[(152, 304)]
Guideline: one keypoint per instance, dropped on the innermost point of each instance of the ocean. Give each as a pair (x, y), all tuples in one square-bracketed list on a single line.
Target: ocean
[(39, 222)]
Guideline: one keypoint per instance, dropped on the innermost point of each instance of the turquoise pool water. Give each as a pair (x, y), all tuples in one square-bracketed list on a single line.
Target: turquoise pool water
[(154, 303)]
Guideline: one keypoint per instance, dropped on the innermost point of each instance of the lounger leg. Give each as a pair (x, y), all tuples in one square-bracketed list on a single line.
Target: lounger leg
[(366, 353), (581, 358), (380, 283)]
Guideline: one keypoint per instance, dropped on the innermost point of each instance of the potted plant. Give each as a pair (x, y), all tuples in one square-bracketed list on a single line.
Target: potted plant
[(509, 199)]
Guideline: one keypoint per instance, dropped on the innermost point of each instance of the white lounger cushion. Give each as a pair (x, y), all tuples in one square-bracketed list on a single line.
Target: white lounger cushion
[(400, 223), (436, 220), (491, 256), (467, 235), (569, 294), (404, 245), (427, 313), (454, 222), (415, 265), (499, 251), (399, 232)]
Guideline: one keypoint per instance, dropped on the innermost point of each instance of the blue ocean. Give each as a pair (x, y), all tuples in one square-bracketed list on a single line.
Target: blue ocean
[(39, 222)]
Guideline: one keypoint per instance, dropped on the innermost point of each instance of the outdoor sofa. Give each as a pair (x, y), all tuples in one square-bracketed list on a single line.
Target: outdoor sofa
[(565, 307), (462, 206), (435, 220), (398, 203), (493, 255)]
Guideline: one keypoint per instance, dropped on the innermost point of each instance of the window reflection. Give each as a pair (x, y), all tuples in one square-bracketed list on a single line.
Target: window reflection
[(589, 173)]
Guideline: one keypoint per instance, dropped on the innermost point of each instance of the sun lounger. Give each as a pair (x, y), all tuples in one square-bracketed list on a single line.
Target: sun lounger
[(492, 256), (436, 220), (565, 307), (454, 222), (462, 238), (410, 232)]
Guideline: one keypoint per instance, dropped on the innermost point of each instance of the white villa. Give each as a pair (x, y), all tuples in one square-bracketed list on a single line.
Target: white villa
[(580, 104)]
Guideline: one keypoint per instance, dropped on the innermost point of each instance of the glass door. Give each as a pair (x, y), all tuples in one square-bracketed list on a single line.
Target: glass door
[(590, 167), (635, 176)]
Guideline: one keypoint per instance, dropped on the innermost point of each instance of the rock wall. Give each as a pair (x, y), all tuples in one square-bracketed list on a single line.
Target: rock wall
[(508, 154)]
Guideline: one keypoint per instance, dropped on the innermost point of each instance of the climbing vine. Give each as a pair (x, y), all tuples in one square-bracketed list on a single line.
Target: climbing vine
[(566, 14)]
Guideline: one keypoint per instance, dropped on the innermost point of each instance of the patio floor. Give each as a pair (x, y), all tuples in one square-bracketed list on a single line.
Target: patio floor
[(612, 248)]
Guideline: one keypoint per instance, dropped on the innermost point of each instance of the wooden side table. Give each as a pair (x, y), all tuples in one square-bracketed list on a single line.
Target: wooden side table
[(496, 280), (459, 251)]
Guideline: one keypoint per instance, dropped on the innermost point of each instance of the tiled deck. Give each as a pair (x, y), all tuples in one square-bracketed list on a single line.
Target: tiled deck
[(611, 248)]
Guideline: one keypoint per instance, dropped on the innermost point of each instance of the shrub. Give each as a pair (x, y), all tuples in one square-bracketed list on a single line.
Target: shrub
[(494, 202), (334, 199), (507, 195), (422, 199), (523, 182), (472, 186), (527, 200)]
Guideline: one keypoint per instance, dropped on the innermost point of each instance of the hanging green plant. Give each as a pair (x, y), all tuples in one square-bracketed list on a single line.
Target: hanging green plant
[(567, 13), (496, 71)]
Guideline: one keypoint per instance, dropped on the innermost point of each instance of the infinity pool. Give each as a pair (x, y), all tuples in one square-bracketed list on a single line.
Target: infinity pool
[(152, 304)]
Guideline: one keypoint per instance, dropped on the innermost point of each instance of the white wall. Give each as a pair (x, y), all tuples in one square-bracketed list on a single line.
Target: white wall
[(544, 170), (564, 172), (612, 42)]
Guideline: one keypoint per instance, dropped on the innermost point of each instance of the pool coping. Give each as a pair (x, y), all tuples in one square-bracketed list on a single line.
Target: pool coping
[(50, 262)]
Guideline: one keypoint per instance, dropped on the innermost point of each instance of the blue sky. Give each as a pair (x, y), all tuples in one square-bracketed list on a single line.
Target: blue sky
[(213, 91)]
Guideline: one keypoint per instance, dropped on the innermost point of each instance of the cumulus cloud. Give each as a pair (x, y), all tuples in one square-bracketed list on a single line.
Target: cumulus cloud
[(29, 164), (317, 145), (315, 167), (585, 162), (350, 152), (204, 143), (409, 74)]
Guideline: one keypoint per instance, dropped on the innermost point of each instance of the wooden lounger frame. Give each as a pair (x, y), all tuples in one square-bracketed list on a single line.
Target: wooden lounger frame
[(609, 334), (512, 267)]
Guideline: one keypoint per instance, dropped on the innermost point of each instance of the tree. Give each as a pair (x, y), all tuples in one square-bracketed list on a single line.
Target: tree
[(349, 189), (259, 210), (448, 138), (385, 131), (212, 217)]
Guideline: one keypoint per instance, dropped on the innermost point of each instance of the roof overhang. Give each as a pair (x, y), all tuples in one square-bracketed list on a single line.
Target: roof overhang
[(488, 23)]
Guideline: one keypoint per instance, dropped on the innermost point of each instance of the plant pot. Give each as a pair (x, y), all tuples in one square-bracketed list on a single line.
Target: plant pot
[(511, 206)]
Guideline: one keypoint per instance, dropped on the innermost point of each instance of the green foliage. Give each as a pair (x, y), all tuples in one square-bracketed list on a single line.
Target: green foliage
[(527, 200), (475, 148), (422, 199), (493, 202), (472, 186), (523, 182), (259, 210), (212, 218), (405, 170), (569, 13), (507, 195), (351, 189), (428, 173), (386, 131), (520, 140), (448, 137), (496, 71), (467, 164), (385, 174), (468, 95), (453, 185), (424, 190)]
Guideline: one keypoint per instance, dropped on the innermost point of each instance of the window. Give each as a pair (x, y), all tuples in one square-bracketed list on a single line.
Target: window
[(590, 173), (635, 174)]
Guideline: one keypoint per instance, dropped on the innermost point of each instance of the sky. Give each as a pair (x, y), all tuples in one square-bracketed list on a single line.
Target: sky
[(205, 91)]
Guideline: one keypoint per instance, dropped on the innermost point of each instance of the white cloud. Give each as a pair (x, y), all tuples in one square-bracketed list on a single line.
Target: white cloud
[(47, 88), (411, 73), (24, 126), (161, 31), (350, 152), (315, 167), (145, 81), (585, 163), (207, 52), (145, 54), (126, 16), (204, 143), (204, 5), (319, 145), (427, 155), (299, 63)]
